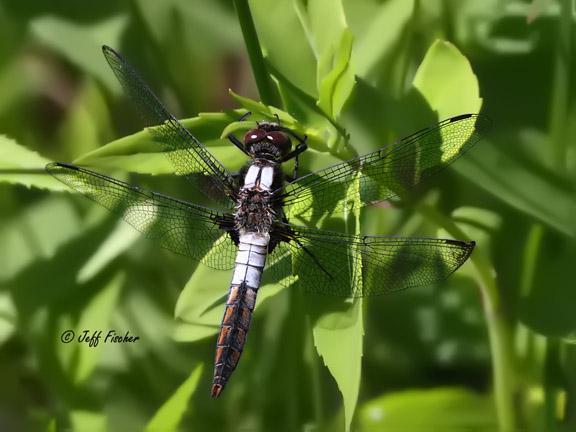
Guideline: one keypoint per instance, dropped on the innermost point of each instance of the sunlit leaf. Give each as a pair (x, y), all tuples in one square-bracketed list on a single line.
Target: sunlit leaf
[(336, 85), (88, 421), (339, 331), (435, 410), (8, 317), (338, 337), (324, 22), (447, 81), (18, 165), (119, 240), (140, 153), (381, 33), (170, 414), (292, 55)]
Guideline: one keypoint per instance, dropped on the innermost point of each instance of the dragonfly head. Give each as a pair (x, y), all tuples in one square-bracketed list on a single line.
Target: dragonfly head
[(268, 140)]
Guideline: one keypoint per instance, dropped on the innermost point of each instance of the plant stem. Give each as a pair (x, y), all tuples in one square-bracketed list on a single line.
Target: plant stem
[(265, 85), (499, 328), (561, 91), (559, 138)]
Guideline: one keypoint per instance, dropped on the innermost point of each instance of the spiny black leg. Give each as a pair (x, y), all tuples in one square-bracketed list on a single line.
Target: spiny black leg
[(237, 143), (296, 163), (294, 153), (245, 116)]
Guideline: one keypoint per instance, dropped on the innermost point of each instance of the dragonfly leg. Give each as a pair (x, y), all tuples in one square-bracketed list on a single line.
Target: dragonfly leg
[(296, 165), (237, 143), (294, 154), (245, 116)]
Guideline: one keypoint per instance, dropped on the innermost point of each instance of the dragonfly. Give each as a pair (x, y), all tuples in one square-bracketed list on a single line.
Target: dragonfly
[(247, 226)]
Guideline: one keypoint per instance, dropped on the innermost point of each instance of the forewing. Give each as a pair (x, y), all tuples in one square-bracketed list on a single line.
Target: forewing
[(387, 172), (181, 227), (187, 154), (337, 264)]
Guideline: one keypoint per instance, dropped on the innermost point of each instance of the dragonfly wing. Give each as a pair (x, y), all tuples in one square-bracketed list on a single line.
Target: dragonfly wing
[(344, 265), (387, 172), (187, 154), (184, 228)]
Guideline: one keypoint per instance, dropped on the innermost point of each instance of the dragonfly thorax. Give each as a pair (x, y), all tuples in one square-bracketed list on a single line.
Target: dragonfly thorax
[(254, 211)]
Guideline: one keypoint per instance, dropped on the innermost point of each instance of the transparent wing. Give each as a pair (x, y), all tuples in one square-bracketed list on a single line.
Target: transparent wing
[(387, 172), (181, 227), (187, 154), (336, 264)]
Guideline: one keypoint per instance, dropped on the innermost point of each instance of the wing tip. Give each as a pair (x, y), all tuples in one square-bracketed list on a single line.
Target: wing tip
[(483, 122), (107, 49), (462, 117), (54, 165)]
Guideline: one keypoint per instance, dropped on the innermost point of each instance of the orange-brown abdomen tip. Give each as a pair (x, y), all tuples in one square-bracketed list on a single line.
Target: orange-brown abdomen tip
[(216, 390)]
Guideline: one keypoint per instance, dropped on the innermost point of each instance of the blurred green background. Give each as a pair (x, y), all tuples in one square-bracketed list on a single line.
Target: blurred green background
[(491, 349)]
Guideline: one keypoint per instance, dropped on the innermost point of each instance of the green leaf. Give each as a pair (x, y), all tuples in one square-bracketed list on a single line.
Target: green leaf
[(339, 323), (81, 44), (324, 22), (446, 81), (163, 20), (87, 123), (8, 317), (18, 165), (260, 110), (36, 233), (435, 410), (199, 308), (548, 307), (516, 186), (336, 86), (170, 414), (118, 241), (381, 33), (316, 138), (285, 43), (338, 339), (141, 153), (87, 421), (80, 359)]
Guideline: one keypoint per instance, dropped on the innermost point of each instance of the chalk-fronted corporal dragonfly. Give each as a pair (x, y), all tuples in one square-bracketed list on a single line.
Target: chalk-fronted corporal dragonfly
[(248, 228)]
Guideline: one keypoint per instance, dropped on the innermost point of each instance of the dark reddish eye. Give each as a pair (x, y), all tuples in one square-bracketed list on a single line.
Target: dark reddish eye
[(253, 136), (278, 138)]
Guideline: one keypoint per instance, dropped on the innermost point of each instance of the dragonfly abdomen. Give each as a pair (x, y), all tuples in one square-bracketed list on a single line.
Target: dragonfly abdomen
[(250, 261)]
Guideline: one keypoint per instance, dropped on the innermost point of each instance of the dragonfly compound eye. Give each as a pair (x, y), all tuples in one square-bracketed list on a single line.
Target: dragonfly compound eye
[(253, 136), (280, 139)]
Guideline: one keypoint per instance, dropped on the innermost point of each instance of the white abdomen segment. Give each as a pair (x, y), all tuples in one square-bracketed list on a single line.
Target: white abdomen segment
[(250, 259)]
